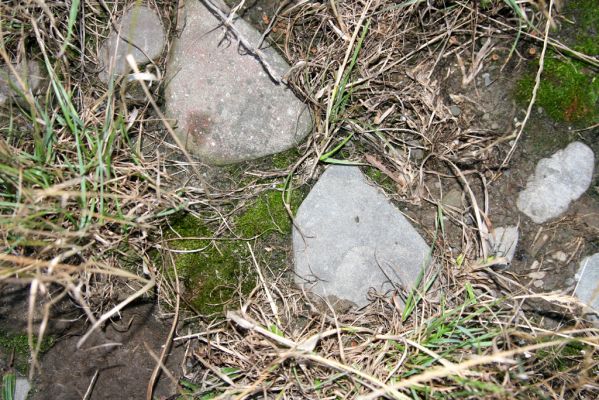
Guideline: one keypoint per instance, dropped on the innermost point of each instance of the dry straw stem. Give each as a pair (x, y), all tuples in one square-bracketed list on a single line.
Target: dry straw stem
[(535, 88)]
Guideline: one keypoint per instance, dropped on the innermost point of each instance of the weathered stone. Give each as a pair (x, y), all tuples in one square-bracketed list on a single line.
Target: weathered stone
[(455, 110), (503, 242), (557, 181), (140, 33), (226, 107), (30, 74), (453, 198), (22, 387), (351, 239), (587, 287)]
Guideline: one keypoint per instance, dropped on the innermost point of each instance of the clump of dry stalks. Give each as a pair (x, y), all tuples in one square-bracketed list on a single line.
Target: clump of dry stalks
[(79, 200)]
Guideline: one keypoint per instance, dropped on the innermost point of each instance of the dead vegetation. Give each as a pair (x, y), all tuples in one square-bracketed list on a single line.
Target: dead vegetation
[(82, 206)]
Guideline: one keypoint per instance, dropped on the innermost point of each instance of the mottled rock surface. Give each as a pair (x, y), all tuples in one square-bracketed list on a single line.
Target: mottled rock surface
[(226, 107), (556, 182), (140, 33), (29, 73), (351, 238), (587, 287)]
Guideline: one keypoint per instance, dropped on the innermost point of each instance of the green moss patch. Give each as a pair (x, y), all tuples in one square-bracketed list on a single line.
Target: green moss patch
[(285, 159), (265, 215), (568, 91), (585, 14), (215, 271), (212, 271), (19, 344), (381, 179)]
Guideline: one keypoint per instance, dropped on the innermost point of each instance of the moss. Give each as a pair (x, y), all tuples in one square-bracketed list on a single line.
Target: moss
[(586, 16), (266, 214), (213, 275), (381, 179), (569, 89), (567, 92), (19, 344), (562, 357), (285, 159), (218, 270)]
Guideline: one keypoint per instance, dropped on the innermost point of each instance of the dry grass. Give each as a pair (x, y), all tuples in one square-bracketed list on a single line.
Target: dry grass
[(83, 203)]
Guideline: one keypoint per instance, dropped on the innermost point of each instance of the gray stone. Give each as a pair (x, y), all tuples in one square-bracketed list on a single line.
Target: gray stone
[(487, 79), (587, 287), (22, 387), (226, 106), (503, 242), (455, 110), (351, 238), (140, 33), (453, 198), (557, 181), (29, 73)]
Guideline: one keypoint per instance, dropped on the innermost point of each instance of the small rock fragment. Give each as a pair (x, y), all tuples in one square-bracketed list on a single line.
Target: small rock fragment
[(455, 110), (140, 33), (537, 275), (22, 387), (587, 287), (30, 74), (487, 79), (560, 256), (538, 284), (557, 181), (348, 241), (503, 242), (453, 198)]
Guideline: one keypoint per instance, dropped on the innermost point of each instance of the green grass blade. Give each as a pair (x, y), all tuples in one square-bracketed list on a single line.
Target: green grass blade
[(71, 23), (9, 382)]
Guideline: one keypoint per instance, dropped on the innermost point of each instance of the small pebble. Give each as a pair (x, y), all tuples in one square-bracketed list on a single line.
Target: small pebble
[(560, 256), (537, 275), (538, 284), (455, 110), (487, 79)]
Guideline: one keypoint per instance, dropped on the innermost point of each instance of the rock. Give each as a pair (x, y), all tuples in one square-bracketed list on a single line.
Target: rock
[(22, 387), (453, 198), (145, 41), (587, 287), (351, 239), (557, 181), (455, 110), (227, 107), (503, 242), (30, 74), (487, 79)]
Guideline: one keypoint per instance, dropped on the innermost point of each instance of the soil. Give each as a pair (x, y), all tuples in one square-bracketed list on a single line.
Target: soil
[(120, 353)]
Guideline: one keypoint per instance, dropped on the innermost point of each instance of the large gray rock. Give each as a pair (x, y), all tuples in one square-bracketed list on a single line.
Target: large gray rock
[(587, 287), (351, 238), (139, 32), (226, 107), (29, 74), (557, 181)]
